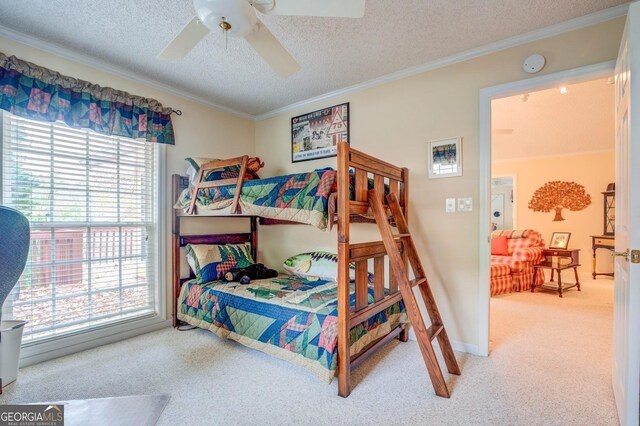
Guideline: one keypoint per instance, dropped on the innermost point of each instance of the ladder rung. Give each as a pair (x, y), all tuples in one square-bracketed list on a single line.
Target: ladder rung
[(417, 281), (402, 236), (434, 330)]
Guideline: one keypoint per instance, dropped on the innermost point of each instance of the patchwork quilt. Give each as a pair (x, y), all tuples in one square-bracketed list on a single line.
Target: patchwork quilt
[(288, 317), (301, 197)]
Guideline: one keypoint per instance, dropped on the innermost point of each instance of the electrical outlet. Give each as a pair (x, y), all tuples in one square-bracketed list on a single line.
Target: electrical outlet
[(450, 205), (465, 204)]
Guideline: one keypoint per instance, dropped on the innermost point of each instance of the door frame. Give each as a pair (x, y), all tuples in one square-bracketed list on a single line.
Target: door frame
[(547, 81)]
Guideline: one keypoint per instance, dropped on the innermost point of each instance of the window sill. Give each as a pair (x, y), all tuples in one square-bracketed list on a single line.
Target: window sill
[(51, 349)]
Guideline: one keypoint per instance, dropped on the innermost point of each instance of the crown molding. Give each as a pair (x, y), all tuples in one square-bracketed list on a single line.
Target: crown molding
[(111, 69), (553, 30)]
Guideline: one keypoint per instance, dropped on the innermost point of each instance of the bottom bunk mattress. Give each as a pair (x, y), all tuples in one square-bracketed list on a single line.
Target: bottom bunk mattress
[(288, 317)]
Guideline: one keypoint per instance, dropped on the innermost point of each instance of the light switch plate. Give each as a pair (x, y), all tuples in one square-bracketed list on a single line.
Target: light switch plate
[(450, 205), (465, 204)]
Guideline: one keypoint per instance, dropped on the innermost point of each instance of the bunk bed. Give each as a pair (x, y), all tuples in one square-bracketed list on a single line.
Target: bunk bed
[(365, 314)]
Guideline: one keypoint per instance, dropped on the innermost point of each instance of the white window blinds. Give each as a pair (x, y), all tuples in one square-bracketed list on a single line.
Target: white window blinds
[(91, 200)]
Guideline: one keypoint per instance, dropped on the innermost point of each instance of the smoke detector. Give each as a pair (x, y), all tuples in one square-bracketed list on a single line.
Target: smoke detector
[(534, 63)]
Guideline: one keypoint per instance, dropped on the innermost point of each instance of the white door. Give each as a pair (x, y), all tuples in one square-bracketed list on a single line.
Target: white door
[(626, 323)]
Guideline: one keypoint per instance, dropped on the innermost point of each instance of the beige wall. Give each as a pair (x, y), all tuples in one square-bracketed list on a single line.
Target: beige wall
[(200, 131), (592, 170), (395, 121)]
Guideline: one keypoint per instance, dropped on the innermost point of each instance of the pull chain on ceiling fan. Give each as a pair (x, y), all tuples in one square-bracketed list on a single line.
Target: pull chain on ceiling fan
[(225, 30)]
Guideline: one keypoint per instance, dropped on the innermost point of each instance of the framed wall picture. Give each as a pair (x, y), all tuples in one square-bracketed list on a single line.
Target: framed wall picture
[(445, 158), (560, 240), (316, 134)]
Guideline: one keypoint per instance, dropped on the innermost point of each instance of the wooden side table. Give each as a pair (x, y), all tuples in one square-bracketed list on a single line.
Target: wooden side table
[(558, 260), (606, 242)]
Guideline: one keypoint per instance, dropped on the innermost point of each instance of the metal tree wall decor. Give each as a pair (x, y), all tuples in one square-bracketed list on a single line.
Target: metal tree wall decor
[(557, 195)]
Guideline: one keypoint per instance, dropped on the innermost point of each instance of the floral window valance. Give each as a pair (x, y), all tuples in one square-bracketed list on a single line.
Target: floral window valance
[(30, 91)]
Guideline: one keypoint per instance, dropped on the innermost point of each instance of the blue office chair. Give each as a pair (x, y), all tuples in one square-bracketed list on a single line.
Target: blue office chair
[(15, 237)]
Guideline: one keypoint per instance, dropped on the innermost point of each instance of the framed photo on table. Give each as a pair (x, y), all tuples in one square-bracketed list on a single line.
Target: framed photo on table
[(316, 134), (445, 158), (560, 240)]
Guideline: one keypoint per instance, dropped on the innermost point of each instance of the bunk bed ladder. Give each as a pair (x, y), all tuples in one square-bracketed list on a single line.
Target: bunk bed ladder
[(424, 335)]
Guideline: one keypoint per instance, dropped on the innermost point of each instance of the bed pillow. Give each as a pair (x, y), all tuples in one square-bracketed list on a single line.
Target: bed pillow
[(317, 265), (314, 265), (210, 262), (500, 246)]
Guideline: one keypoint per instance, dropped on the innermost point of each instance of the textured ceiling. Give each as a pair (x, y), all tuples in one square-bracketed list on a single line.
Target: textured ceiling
[(551, 124), (334, 52)]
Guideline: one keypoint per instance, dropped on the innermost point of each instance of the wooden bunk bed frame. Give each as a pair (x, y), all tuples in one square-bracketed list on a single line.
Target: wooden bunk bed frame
[(385, 176)]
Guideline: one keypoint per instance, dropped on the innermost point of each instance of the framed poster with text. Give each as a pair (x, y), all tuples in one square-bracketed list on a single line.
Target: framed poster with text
[(316, 134)]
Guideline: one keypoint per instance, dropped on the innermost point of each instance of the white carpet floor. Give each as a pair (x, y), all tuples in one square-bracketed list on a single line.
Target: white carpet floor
[(550, 365)]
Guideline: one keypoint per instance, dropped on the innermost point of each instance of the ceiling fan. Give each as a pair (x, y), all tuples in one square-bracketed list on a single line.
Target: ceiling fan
[(238, 18)]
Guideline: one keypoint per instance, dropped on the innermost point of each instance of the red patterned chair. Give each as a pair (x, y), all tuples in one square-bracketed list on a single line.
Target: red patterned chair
[(518, 250), (501, 279)]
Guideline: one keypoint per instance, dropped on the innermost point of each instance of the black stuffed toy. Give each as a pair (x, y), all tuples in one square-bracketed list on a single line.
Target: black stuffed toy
[(256, 271)]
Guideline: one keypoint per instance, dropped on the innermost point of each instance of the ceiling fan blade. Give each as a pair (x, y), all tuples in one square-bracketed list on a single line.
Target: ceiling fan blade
[(327, 8), (190, 35), (272, 51)]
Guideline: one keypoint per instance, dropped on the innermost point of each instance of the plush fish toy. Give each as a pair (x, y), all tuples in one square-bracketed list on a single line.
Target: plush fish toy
[(317, 265)]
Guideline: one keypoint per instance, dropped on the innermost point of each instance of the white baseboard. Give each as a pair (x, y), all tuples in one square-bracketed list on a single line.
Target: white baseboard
[(465, 347), (455, 344), (46, 351)]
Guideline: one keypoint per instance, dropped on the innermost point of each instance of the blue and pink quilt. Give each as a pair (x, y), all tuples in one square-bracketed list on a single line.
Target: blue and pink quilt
[(300, 197), (289, 317)]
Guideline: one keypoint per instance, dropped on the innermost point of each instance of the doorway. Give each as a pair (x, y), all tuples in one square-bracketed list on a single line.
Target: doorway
[(517, 88), (539, 332)]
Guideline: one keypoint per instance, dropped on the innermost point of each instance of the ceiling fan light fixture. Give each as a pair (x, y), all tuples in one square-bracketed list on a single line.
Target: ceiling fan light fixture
[(224, 24)]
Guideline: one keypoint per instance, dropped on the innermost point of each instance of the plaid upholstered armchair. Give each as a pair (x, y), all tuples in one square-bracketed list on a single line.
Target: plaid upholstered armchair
[(519, 250)]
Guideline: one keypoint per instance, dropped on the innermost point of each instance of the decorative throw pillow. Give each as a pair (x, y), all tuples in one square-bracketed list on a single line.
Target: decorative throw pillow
[(499, 246), (211, 262), (317, 265)]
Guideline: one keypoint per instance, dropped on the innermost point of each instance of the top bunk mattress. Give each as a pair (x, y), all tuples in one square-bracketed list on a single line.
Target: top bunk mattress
[(300, 197), (288, 317)]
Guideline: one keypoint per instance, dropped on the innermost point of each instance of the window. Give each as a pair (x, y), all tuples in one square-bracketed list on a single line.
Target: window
[(92, 201)]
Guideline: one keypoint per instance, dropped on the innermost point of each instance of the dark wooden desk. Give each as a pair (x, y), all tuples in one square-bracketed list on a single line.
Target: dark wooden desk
[(606, 242), (558, 260)]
